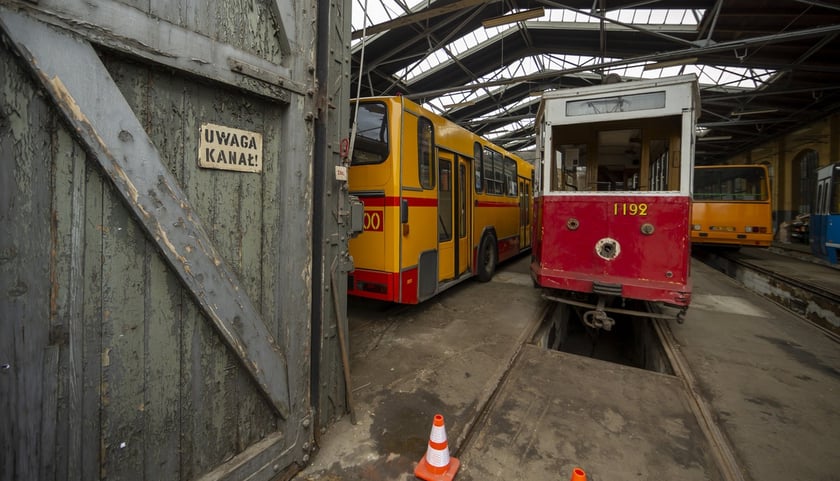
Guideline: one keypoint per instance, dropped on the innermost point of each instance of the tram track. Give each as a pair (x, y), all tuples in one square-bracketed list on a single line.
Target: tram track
[(487, 396), (720, 451), (816, 304), (719, 445)]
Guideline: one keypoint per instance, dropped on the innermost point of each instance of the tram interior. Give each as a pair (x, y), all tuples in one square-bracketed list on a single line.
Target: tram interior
[(611, 157)]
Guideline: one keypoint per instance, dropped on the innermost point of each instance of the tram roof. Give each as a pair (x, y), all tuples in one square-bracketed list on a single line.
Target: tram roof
[(766, 67)]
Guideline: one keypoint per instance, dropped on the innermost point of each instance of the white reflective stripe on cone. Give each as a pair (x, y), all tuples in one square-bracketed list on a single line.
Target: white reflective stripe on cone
[(438, 434), (438, 458)]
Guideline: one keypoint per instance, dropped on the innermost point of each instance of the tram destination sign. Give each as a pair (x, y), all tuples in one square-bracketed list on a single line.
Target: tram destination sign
[(226, 148)]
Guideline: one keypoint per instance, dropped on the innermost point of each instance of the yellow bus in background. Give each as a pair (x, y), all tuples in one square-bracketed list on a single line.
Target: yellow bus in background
[(731, 206), (441, 204)]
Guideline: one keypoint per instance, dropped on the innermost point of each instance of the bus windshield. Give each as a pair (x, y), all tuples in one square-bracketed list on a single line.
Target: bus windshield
[(371, 143), (730, 183)]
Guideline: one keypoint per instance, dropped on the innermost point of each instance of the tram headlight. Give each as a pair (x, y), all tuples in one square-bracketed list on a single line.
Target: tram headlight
[(695, 227)]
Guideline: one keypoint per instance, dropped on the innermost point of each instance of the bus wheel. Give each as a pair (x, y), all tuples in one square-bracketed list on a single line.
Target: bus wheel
[(486, 259)]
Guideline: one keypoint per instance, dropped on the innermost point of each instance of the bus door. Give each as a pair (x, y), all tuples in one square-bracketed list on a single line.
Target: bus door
[(447, 257), (463, 253), (453, 216)]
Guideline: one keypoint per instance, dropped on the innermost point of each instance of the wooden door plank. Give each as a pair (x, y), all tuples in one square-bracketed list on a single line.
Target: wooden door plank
[(83, 91)]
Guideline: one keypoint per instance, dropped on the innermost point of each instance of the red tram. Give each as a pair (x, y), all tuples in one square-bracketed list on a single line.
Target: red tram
[(613, 196)]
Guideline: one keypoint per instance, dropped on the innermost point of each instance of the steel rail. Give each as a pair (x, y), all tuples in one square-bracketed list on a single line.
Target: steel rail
[(721, 449)]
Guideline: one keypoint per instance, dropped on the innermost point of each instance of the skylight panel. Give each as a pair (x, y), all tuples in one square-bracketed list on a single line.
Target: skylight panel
[(525, 124), (458, 47), (440, 56)]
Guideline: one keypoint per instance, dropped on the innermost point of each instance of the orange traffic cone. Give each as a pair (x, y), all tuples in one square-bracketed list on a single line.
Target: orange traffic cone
[(578, 475), (436, 465)]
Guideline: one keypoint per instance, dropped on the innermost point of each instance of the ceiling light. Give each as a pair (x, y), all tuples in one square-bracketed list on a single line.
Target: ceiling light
[(714, 137), (753, 112), (670, 63), (513, 17)]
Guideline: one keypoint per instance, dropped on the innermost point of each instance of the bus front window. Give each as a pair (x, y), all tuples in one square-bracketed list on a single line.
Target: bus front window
[(730, 183), (371, 142)]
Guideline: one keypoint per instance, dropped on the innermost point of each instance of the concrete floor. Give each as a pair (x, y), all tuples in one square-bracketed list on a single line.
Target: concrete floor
[(408, 363), (771, 380)]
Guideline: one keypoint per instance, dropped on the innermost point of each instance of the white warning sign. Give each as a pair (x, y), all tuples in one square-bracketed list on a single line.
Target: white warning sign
[(227, 148)]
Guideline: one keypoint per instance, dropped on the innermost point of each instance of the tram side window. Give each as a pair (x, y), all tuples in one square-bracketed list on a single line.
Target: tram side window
[(835, 193), (822, 198), (478, 167), (425, 152)]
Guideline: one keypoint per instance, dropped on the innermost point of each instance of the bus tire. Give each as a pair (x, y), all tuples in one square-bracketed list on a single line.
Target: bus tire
[(486, 258)]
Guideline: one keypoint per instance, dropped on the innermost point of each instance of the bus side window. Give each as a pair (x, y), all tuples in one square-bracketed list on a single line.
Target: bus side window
[(478, 167), (510, 177), (425, 152), (490, 180)]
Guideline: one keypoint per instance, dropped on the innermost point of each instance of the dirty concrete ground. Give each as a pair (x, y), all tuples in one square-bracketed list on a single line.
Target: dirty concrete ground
[(770, 379), (408, 363)]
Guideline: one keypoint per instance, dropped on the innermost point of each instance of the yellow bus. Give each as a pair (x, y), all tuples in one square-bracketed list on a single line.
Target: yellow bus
[(731, 206), (441, 204)]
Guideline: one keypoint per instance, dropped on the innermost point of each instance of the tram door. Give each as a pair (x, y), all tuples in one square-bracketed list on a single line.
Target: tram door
[(453, 217)]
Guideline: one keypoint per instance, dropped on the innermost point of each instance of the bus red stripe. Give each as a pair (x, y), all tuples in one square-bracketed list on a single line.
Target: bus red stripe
[(392, 201), (480, 203)]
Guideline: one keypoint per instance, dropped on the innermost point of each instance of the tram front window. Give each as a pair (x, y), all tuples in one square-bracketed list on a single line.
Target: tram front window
[(569, 168)]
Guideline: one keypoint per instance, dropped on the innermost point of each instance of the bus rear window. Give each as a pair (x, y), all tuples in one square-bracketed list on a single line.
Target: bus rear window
[(371, 143)]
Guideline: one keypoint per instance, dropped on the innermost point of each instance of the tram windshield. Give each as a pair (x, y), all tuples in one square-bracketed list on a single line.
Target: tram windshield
[(601, 157)]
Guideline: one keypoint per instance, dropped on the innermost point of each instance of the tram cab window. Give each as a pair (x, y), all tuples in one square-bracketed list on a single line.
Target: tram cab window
[(619, 154), (659, 165), (569, 173)]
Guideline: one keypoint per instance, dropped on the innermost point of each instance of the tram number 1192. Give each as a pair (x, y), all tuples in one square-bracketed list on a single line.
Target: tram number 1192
[(624, 208)]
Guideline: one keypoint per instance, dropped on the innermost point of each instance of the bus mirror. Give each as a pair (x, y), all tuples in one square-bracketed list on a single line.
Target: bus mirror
[(404, 210), (357, 216)]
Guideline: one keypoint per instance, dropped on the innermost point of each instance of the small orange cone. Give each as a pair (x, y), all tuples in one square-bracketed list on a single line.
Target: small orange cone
[(578, 475), (436, 465)]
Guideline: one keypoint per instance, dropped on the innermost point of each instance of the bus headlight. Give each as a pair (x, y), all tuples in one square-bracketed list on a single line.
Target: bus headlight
[(695, 227)]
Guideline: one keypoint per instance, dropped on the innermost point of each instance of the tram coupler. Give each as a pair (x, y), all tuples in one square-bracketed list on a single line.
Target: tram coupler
[(598, 318)]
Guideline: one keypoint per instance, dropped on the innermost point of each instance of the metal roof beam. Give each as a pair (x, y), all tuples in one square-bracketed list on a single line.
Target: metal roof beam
[(417, 17), (719, 47), (626, 25)]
